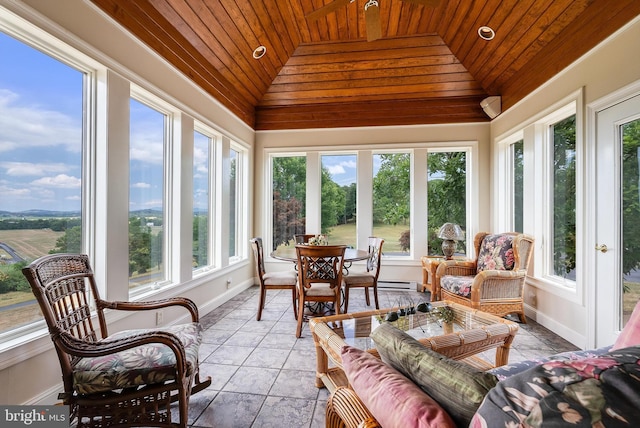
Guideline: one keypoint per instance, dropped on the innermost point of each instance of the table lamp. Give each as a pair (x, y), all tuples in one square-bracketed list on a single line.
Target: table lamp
[(450, 233)]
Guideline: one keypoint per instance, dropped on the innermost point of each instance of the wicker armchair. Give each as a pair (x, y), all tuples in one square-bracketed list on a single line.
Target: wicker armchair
[(129, 378), (494, 282)]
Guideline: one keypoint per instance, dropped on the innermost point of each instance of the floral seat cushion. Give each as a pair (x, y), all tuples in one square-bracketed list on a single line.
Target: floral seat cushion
[(590, 392), (460, 285), (148, 364)]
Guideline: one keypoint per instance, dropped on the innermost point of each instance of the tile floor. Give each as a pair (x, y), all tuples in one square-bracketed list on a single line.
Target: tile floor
[(264, 377)]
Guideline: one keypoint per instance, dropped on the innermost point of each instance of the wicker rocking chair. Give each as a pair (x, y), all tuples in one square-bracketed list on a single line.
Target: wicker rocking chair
[(129, 378)]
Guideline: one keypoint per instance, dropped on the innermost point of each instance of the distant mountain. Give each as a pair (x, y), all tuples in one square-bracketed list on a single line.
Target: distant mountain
[(40, 213), (150, 212)]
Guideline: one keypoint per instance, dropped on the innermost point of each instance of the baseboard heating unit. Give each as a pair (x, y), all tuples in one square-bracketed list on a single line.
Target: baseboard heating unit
[(397, 285)]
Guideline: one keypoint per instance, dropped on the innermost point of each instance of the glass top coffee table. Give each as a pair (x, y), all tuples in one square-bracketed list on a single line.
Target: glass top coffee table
[(469, 333)]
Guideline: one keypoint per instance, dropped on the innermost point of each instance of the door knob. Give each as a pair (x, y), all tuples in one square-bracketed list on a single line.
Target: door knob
[(602, 248)]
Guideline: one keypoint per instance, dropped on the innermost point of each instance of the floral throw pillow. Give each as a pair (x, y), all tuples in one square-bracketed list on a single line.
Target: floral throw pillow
[(593, 392), (496, 253)]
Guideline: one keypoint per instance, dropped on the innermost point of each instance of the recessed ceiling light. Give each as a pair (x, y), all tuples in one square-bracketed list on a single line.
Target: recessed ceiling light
[(259, 52), (486, 33)]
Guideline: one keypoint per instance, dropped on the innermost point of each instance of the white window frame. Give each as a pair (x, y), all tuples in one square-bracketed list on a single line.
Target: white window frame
[(537, 187), (214, 151), (242, 202), (418, 174), (504, 206), (27, 33), (169, 174), (471, 192), (544, 223)]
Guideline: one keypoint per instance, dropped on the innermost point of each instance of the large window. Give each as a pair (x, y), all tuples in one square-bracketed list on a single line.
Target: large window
[(392, 201), (202, 161), (339, 199), (446, 196), (41, 170), (517, 177), (148, 132), (563, 197), (238, 202), (288, 174)]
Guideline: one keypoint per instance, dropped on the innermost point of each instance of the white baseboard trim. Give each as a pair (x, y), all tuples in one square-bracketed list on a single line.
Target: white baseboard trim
[(48, 397), (561, 330)]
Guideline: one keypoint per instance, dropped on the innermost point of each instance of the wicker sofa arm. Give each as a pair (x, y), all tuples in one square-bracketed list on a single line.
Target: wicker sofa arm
[(346, 410)]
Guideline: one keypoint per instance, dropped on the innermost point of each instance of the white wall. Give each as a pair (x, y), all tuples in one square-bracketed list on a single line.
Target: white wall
[(611, 65)]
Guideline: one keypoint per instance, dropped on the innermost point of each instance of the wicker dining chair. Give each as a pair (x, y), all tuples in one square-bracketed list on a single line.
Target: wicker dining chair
[(368, 279), (129, 378), (286, 280), (494, 281), (319, 277)]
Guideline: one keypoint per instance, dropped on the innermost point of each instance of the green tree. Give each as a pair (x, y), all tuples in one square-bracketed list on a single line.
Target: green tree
[(446, 195), (564, 196), (630, 196), (333, 202), (390, 195), (350, 206), (289, 193), (200, 239), (70, 242), (139, 246), (12, 279), (157, 243)]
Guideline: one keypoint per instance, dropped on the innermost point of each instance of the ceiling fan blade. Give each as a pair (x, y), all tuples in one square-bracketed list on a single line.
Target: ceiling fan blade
[(327, 9), (372, 20), (428, 3)]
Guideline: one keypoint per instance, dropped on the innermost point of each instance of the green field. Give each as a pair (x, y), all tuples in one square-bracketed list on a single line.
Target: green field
[(346, 233), (30, 243)]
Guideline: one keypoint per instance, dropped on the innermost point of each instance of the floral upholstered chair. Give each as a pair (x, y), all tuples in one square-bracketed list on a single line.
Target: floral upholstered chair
[(494, 282)]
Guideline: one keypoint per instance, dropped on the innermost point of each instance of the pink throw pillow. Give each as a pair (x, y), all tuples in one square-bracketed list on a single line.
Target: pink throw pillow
[(630, 334), (392, 399)]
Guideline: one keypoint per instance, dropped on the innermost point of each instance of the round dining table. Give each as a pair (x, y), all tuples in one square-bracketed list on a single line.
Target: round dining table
[(288, 253)]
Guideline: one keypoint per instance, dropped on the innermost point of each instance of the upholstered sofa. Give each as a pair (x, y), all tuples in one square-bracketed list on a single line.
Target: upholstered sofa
[(413, 386)]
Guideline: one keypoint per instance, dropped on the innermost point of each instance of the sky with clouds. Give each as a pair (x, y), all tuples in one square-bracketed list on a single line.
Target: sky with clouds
[(41, 140), (40, 130), (41, 135)]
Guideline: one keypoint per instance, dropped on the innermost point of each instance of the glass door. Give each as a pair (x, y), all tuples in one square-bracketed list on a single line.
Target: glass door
[(618, 217)]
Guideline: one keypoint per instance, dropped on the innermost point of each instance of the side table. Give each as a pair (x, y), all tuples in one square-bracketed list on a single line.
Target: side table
[(429, 266)]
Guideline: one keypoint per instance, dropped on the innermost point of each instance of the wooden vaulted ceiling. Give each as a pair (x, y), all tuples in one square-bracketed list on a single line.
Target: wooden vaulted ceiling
[(430, 66)]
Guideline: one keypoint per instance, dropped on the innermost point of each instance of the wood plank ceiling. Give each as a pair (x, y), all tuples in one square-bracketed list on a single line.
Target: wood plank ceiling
[(430, 66)]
